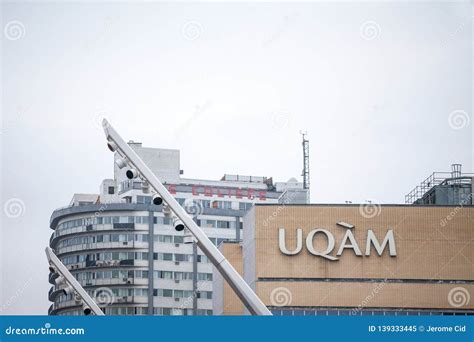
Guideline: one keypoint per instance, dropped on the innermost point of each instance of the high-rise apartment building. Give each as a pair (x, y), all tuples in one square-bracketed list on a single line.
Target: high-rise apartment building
[(124, 251)]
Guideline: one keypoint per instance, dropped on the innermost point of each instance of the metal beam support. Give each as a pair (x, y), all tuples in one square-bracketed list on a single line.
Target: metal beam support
[(305, 172), (63, 271), (238, 284)]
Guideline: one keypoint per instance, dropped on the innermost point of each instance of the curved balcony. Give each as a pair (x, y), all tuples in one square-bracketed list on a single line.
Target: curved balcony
[(83, 247), (55, 308), (59, 214), (122, 301), (96, 228), (91, 265), (114, 281)]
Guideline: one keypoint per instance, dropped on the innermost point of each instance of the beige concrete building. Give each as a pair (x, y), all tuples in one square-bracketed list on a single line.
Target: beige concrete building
[(354, 259)]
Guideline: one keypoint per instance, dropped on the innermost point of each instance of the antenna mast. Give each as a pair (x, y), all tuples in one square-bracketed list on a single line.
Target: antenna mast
[(305, 172)]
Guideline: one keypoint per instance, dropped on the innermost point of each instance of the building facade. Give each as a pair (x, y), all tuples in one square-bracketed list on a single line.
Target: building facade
[(354, 260), (125, 252)]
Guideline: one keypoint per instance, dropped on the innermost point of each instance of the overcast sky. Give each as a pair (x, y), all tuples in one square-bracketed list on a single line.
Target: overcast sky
[(383, 90)]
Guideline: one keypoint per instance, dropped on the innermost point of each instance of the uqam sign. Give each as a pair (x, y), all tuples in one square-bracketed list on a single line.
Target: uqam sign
[(348, 242)]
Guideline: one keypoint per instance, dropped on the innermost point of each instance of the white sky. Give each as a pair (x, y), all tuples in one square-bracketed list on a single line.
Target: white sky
[(230, 85)]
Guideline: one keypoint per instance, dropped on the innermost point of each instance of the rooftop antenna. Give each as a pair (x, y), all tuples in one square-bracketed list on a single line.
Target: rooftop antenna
[(305, 172)]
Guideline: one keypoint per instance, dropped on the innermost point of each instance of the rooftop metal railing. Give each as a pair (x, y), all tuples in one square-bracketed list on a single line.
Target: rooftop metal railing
[(436, 179)]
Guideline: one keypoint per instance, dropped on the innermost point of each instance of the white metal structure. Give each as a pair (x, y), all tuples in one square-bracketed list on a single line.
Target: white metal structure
[(238, 284), (63, 271)]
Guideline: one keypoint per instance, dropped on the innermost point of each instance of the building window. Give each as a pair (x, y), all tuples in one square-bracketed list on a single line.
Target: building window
[(85, 203), (222, 205), (183, 275), (141, 219), (223, 224), (245, 205), (165, 292), (206, 203), (207, 223), (111, 190), (205, 276), (144, 199), (202, 312), (180, 257), (204, 294), (165, 256), (202, 258), (163, 274), (162, 220), (164, 238)]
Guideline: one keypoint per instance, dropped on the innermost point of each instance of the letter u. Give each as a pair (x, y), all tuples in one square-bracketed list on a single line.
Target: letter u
[(282, 242)]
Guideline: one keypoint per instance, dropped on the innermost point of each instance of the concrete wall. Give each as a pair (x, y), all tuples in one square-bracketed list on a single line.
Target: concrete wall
[(225, 301), (163, 162), (248, 250), (434, 245), (425, 248)]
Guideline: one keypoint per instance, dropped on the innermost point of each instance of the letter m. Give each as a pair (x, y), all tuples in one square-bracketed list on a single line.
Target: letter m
[(372, 240)]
